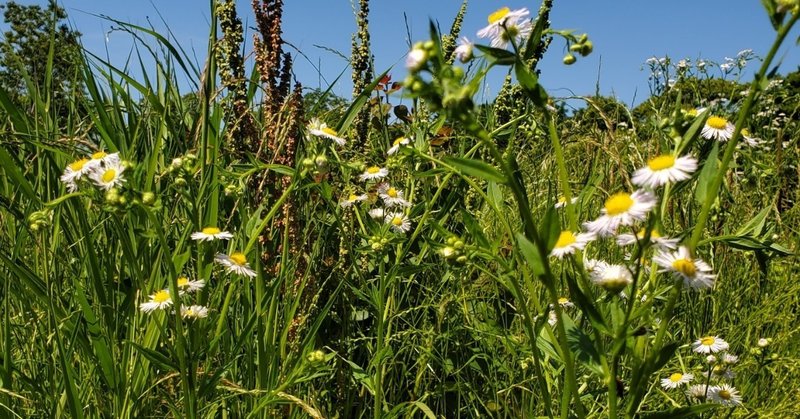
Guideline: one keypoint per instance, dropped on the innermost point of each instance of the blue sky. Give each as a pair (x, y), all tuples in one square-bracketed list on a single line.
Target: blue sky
[(625, 33)]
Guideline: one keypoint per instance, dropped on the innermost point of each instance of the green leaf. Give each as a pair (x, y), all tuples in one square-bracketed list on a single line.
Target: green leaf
[(476, 168), (497, 55), (707, 175), (681, 412), (582, 346), (531, 254), (664, 355), (155, 357), (530, 84), (359, 103), (550, 228), (755, 226)]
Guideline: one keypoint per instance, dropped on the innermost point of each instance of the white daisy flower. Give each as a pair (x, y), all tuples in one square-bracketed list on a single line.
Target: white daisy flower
[(352, 199), (594, 265), (158, 301), (697, 391), (665, 169), (565, 302), (187, 285), (627, 239), (612, 278), (416, 58), (622, 209), (194, 312), (399, 141), (562, 201), (464, 50), (694, 272), (762, 342), (377, 213), (721, 372), (101, 157), (75, 171), (725, 395), (730, 359), (211, 233), (749, 139), (392, 196), (235, 263), (374, 172), (711, 359), (320, 129), (717, 128), (568, 242), (676, 380), (398, 222), (709, 344), (506, 24), (108, 175)]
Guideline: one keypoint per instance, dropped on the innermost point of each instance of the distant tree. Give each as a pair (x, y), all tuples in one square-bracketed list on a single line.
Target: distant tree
[(25, 48)]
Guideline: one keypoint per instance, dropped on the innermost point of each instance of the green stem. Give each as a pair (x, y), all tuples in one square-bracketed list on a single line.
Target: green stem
[(563, 175), (378, 359)]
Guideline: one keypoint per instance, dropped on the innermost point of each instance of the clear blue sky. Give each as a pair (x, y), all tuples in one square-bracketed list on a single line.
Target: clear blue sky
[(625, 33)]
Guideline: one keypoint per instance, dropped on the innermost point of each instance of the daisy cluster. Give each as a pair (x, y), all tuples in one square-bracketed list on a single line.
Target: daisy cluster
[(715, 383), (102, 169)]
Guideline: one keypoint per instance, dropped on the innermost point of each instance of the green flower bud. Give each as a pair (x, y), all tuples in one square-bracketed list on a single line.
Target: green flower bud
[(148, 198), (458, 244), (569, 59), (308, 163), (448, 252), (587, 48), (576, 47), (461, 259)]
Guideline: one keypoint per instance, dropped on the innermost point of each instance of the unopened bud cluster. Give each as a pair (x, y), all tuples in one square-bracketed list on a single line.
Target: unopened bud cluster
[(577, 45), (378, 243), (455, 251), (40, 219)]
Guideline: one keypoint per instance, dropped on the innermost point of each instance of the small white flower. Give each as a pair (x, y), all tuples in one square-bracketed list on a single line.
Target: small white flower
[(320, 129), (695, 273), (627, 239), (749, 139), (374, 172), (725, 395), (109, 175), (562, 201), (665, 169), (464, 50), (392, 196), (568, 242), (697, 392), (74, 171), (398, 222), (762, 343), (235, 263), (377, 213), (565, 302), (400, 141), (211, 233), (717, 128), (621, 209), (194, 312), (506, 24), (711, 359), (730, 359), (352, 199), (709, 344), (187, 285), (416, 58), (552, 319), (104, 159), (158, 301), (612, 278), (676, 380)]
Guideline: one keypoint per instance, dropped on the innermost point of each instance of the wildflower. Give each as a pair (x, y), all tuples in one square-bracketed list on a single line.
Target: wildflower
[(75, 171), (399, 141), (725, 395), (104, 159), (551, 318), (211, 233), (721, 372), (321, 129), (109, 175), (665, 169), (194, 312), (676, 380), (656, 238), (709, 344), (235, 263), (506, 24), (697, 391), (398, 222), (187, 285), (717, 128), (711, 359), (416, 58), (568, 243), (612, 278), (749, 139), (694, 272), (158, 301), (730, 359), (622, 209), (594, 265), (374, 172), (762, 342), (392, 196), (562, 201), (377, 213), (565, 302), (464, 50), (352, 199)]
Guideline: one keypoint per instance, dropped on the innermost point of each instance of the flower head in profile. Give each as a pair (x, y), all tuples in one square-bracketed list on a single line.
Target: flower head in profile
[(211, 233), (398, 222), (717, 128), (725, 395), (612, 278), (398, 142), (665, 169), (749, 139), (236, 263), (463, 51), (373, 173), (694, 272), (108, 175), (506, 25), (377, 213), (562, 201), (627, 239), (416, 58), (194, 312), (158, 301), (676, 380), (352, 199), (188, 285), (568, 242), (709, 344), (103, 158), (392, 196), (321, 129), (622, 209), (74, 171), (697, 391)]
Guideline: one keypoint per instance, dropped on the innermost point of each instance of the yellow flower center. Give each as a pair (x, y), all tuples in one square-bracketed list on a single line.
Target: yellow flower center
[(190, 312), (183, 281), (399, 140), (745, 132), (725, 394), (686, 267), (618, 203), (675, 378), (397, 221), (109, 175), (562, 199), (329, 131), (78, 165), (161, 296), (211, 231), (707, 341), (99, 155), (392, 192), (352, 197), (373, 170), (717, 123), (499, 14), (661, 162), (238, 258), (563, 300), (565, 239), (654, 234), (691, 112)]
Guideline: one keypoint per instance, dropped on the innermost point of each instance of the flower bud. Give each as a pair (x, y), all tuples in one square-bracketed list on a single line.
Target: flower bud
[(448, 252), (148, 198), (569, 59), (587, 48)]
